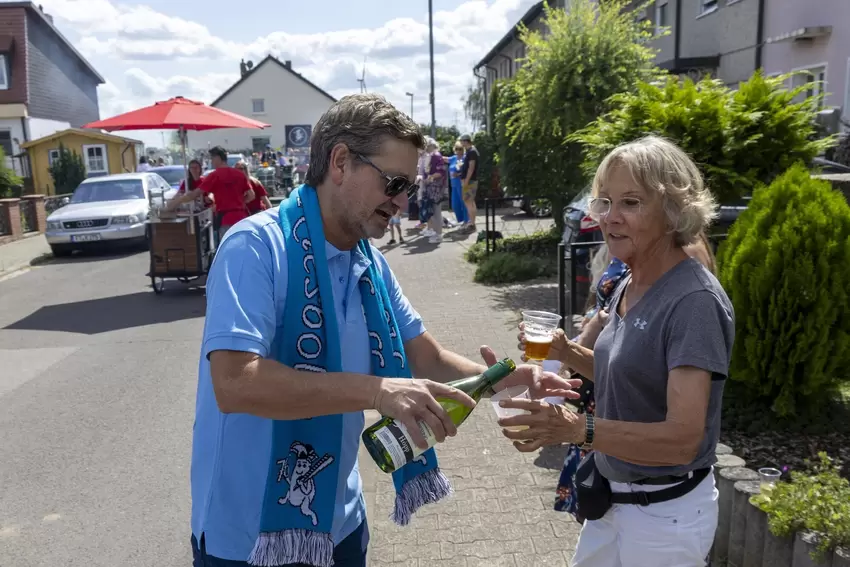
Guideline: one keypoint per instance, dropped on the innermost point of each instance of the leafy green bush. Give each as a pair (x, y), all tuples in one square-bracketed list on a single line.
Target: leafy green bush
[(475, 253), (589, 52), (488, 175), (542, 244), (507, 267), (10, 182), (67, 171), (785, 266), (738, 138), (818, 502)]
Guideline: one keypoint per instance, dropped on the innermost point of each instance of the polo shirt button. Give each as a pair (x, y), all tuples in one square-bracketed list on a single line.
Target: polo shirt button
[(341, 280)]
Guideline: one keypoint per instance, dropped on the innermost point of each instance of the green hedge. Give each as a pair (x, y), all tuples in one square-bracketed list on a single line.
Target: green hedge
[(786, 268)]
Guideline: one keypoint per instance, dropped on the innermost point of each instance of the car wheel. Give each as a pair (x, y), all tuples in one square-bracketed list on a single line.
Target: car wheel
[(540, 208), (61, 250)]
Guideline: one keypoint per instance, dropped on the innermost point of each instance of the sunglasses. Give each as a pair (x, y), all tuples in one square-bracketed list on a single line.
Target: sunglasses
[(396, 184)]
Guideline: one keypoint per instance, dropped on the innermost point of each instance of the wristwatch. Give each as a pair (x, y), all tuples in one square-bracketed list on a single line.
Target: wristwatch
[(588, 432)]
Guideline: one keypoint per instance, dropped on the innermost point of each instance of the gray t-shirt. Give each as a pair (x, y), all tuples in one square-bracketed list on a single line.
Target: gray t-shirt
[(684, 319)]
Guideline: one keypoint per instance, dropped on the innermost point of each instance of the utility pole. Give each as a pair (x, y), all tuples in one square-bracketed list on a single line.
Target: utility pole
[(411, 104), (431, 46)]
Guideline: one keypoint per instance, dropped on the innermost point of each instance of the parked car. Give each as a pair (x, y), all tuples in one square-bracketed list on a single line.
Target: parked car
[(538, 208), (233, 159), (173, 175), (106, 210)]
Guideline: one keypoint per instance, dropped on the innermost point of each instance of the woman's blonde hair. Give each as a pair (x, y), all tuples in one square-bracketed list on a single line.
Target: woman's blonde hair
[(458, 146), (661, 167)]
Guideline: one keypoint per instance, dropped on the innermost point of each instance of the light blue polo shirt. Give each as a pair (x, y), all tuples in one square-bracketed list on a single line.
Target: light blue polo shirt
[(246, 295)]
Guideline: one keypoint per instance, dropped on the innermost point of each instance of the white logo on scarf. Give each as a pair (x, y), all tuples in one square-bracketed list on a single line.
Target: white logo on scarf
[(377, 351), (302, 487)]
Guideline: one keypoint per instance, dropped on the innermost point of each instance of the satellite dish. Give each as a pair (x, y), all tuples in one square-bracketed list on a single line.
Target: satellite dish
[(250, 65)]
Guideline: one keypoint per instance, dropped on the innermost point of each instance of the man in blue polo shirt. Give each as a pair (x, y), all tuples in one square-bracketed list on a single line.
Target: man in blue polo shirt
[(363, 156)]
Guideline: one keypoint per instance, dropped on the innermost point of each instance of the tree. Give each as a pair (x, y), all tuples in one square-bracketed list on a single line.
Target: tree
[(738, 138), (591, 52), (10, 182), (475, 106), (785, 266), (67, 171)]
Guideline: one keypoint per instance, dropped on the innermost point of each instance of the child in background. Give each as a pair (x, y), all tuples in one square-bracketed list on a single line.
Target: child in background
[(395, 224)]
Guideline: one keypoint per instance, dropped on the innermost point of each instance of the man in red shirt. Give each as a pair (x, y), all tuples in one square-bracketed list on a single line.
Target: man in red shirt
[(229, 187)]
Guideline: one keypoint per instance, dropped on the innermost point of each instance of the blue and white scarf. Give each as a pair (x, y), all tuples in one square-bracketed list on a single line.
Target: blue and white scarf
[(300, 496)]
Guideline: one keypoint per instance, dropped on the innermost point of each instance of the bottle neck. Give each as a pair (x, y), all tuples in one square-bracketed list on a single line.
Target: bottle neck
[(497, 372)]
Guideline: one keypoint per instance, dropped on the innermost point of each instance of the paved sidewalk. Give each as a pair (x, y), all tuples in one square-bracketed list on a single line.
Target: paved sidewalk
[(501, 513), (20, 253)]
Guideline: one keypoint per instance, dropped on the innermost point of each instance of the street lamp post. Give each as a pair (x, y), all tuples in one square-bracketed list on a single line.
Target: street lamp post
[(431, 47), (411, 104)]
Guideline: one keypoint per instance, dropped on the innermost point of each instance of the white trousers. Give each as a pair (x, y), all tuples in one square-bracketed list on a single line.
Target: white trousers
[(676, 533)]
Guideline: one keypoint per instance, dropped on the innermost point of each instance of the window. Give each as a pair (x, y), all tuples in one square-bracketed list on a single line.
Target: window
[(4, 73), (708, 6), (259, 144), (661, 16), (259, 105), (52, 155), (6, 143), (815, 77), (95, 157)]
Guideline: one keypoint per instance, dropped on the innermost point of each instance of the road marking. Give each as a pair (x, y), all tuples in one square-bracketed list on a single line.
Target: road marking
[(8, 531), (51, 518)]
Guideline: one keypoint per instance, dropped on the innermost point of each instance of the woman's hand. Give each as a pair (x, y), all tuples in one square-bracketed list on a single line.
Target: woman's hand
[(540, 384), (545, 424)]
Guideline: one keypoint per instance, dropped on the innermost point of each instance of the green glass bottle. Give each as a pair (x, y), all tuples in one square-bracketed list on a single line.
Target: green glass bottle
[(391, 445)]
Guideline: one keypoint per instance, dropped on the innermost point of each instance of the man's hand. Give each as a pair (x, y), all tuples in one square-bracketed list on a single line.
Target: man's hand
[(541, 384), (412, 401)]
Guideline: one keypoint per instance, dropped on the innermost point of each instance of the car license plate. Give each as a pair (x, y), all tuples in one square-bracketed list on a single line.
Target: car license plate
[(85, 238)]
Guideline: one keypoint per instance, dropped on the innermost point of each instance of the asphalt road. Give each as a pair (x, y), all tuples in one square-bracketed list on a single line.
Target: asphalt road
[(97, 389)]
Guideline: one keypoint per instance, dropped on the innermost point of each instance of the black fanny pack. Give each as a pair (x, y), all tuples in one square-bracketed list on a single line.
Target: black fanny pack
[(595, 498)]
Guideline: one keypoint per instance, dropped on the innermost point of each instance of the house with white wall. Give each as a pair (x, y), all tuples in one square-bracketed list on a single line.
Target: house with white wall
[(271, 92)]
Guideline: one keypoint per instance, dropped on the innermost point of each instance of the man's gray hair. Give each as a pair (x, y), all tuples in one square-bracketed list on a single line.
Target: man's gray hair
[(362, 122)]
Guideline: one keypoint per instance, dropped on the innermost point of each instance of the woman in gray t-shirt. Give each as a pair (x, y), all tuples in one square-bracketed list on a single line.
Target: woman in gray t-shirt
[(658, 366)]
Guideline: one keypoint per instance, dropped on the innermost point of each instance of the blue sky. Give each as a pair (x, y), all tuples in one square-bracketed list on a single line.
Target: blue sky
[(155, 49)]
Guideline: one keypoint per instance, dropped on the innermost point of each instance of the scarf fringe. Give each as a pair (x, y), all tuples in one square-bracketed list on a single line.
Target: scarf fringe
[(426, 488), (293, 546)]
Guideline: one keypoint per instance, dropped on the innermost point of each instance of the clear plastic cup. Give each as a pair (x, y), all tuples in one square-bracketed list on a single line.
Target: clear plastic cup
[(539, 328), (514, 392), (768, 477)]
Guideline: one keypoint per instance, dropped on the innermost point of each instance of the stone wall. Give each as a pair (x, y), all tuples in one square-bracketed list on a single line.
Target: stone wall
[(743, 538)]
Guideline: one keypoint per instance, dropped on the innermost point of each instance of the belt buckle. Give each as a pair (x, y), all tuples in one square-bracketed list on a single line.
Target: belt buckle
[(643, 498)]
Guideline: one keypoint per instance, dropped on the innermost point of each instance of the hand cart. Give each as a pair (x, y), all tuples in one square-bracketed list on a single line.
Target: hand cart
[(182, 247)]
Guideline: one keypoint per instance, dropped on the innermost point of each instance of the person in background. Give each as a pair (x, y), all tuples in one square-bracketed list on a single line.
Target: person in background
[(455, 168), (230, 190), (658, 367), (434, 190), (422, 205), (195, 179), (395, 226), (143, 165), (469, 181), (261, 200)]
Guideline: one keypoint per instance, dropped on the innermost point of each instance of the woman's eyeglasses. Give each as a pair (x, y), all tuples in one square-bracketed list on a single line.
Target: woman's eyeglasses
[(396, 184), (601, 206)]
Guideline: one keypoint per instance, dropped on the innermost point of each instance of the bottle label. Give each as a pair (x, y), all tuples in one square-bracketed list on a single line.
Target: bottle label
[(399, 443)]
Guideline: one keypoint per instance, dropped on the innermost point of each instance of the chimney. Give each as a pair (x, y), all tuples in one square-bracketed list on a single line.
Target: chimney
[(47, 16), (288, 64)]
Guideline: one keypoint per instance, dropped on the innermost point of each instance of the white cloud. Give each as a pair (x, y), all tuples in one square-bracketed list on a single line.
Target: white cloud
[(136, 40)]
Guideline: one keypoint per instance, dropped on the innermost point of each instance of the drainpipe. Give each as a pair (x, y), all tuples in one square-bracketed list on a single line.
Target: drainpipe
[(677, 35), (483, 79), (760, 35)]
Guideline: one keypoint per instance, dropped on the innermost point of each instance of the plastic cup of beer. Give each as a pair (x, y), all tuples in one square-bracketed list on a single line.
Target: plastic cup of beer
[(768, 477), (539, 327), (514, 392)]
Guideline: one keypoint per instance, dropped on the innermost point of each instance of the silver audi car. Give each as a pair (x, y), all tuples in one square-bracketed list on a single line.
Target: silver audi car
[(105, 210)]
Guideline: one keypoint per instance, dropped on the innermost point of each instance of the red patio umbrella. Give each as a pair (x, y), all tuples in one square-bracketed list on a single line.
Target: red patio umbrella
[(176, 113), (180, 114)]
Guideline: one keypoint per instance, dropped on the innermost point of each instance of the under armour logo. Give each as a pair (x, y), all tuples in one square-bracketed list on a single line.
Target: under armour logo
[(640, 324)]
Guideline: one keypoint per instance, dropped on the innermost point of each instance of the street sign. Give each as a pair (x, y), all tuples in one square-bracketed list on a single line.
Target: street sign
[(298, 135)]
